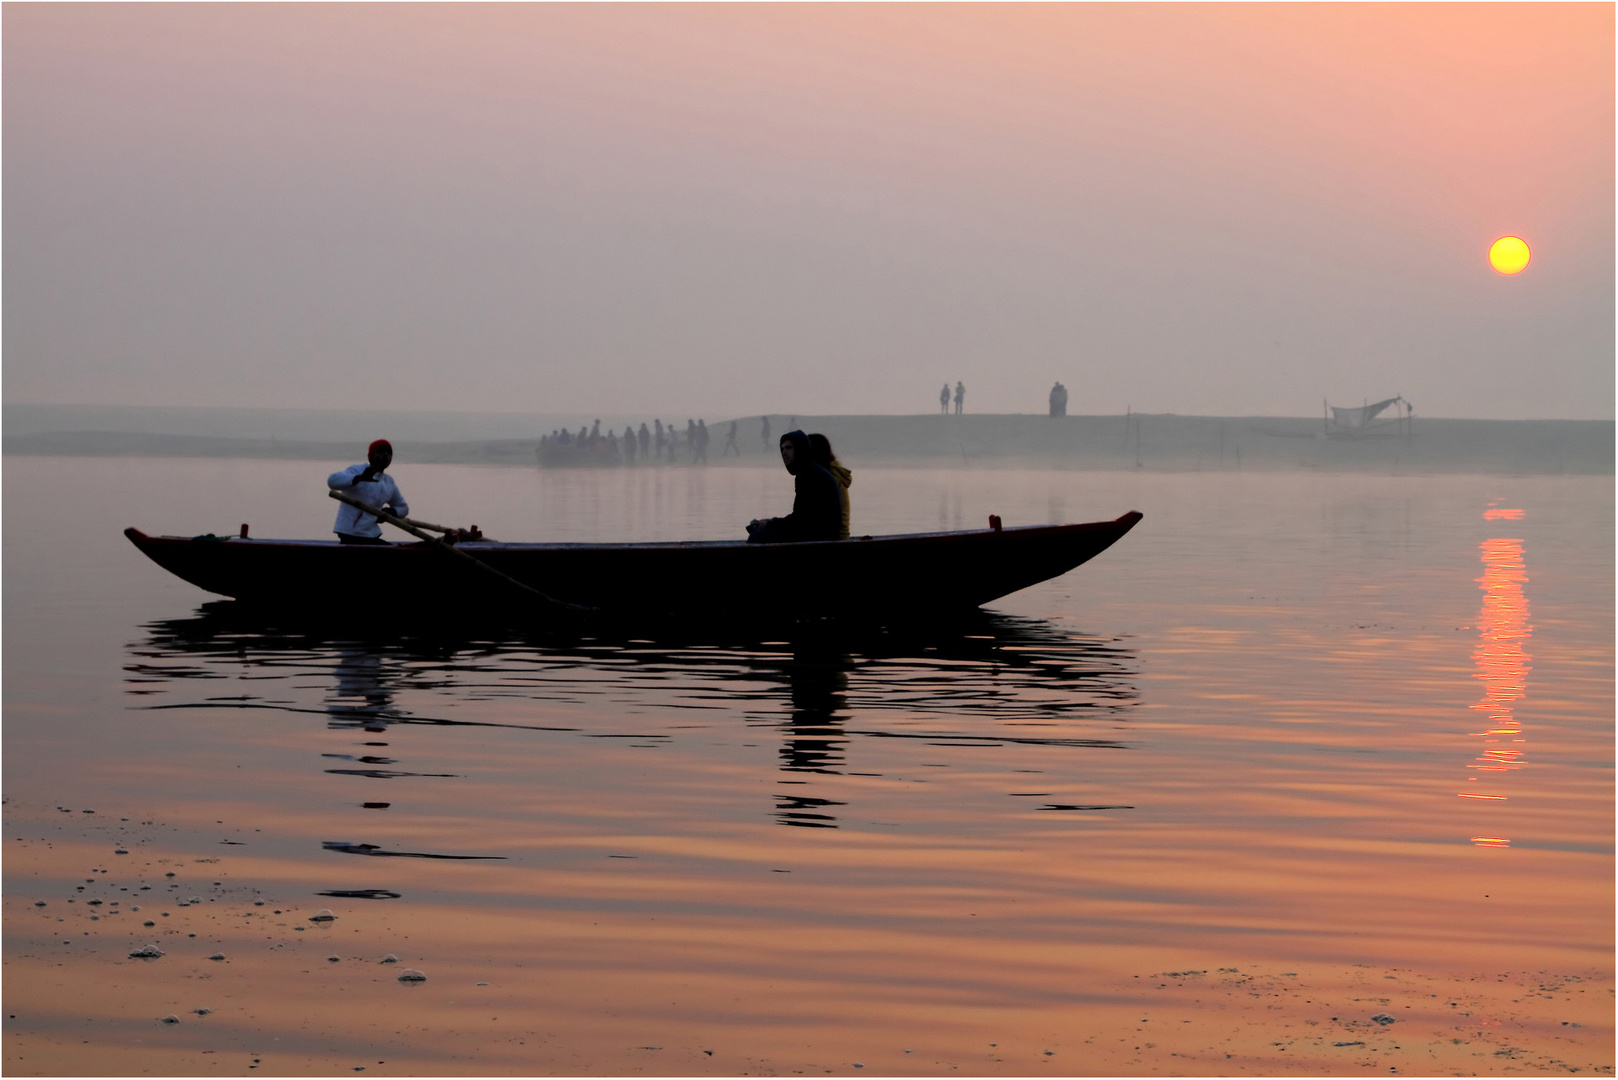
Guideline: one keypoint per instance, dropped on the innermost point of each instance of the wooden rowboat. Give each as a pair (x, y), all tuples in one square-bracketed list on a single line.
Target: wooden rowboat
[(867, 577)]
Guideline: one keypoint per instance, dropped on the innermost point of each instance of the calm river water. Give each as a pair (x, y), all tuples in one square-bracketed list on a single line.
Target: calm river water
[(1308, 774)]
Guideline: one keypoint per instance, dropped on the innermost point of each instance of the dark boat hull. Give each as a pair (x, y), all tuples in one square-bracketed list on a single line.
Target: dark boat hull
[(886, 576)]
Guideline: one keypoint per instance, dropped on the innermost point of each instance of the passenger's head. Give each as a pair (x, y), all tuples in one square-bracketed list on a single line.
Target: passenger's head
[(380, 454), (795, 450), (820, 449)]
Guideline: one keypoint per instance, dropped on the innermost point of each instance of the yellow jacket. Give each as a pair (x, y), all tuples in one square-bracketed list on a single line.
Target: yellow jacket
[(845, 477)]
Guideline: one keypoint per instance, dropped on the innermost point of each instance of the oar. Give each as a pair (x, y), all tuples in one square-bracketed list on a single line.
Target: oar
[(438, 542), (446, 529)]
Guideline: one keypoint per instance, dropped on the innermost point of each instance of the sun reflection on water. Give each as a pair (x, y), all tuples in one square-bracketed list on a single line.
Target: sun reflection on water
[(1502, 664)]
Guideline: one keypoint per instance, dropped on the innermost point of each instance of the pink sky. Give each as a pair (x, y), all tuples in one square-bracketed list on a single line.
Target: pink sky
[(728, 209)]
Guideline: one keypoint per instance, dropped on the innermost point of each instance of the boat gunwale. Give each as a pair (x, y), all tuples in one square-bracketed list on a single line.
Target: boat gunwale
[(492, 545)]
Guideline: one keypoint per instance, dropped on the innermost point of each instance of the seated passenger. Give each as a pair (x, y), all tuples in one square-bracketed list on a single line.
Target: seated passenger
[(816, 508), (821, 447)]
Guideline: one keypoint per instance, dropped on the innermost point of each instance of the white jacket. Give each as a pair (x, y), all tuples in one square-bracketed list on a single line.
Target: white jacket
[(381, 492)]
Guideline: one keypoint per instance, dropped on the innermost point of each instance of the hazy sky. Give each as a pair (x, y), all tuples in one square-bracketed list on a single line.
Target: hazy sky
[(726, 209)]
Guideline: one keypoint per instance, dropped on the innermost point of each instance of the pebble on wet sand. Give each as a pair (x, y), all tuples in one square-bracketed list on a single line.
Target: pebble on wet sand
[(323, 915), (411, 975), (171, 1019), (146, 952), (217, 956), (390, 959)]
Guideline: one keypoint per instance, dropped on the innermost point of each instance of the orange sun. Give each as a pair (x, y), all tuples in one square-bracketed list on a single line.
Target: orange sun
[(1509, 255)]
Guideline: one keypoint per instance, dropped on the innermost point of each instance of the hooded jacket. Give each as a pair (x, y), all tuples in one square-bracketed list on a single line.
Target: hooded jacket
[(821, 448), (845, 479), (817, 511)]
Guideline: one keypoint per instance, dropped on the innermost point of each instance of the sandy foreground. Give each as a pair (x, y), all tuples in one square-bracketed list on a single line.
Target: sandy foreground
[(252, 985)]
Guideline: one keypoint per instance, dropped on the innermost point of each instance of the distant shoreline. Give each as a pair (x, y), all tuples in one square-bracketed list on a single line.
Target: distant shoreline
[(1153, 442)]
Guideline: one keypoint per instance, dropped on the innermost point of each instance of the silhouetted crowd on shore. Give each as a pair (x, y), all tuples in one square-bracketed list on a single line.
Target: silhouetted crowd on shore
[(820, 506), (648, 445), (666, 443), (659, 444)]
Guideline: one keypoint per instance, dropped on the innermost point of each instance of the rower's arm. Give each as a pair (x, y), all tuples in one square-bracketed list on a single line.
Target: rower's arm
[(344, 478)]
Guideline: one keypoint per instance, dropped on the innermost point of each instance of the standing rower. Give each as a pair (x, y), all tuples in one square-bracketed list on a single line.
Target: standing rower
[(370, 484)]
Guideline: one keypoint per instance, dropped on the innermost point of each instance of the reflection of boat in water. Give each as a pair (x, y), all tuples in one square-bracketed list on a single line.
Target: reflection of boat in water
[(884, 576), (836, 701)]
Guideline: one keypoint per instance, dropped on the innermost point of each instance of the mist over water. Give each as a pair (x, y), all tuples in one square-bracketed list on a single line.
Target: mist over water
[(1311, 773), (1299, 747)]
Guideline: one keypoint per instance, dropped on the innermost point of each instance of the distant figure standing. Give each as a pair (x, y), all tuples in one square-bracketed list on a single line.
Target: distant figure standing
[(659, 424), (595, 434), (960, 396), (730, 441), (702, 440), (943, 401), (645, 442), (629, 444), (766, 434), (1058, 400)]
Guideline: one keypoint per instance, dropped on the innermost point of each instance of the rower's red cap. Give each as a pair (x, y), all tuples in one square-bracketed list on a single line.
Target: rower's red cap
[(380, 444)]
